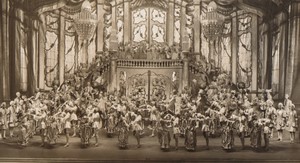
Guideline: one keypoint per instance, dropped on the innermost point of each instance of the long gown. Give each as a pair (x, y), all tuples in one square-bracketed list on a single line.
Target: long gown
[(123, 132), (190, 136)]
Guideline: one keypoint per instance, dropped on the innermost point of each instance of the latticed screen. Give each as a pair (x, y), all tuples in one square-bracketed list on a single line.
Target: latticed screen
[(51, 49), (149, 25), (244, 47)]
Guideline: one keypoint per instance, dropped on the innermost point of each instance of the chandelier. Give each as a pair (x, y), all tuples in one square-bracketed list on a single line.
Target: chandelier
[(212, 22), (85, 22)]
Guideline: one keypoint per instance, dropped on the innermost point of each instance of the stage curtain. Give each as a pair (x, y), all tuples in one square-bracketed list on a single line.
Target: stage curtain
[(293, 62)]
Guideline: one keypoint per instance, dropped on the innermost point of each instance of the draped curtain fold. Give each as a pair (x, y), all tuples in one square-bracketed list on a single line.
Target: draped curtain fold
[(282, 50), (293, 63)]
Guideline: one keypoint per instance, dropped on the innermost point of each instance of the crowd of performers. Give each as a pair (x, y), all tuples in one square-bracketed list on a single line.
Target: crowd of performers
[(83, 112)]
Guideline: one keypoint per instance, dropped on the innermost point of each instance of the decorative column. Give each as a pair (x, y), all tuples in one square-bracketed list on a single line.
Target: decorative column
[(76, 64), (16, 36), (113, 45), (100, 27), (254, 44), (41, 47), (1, 51), (32, 46), (282, 54), (36, 54), (127, 21), (266, 49), (183, 31), (113, 48), (113, 74), (234, 49), (197, 29), (170, 23), (61, 48), (185, 73), (5, 87)]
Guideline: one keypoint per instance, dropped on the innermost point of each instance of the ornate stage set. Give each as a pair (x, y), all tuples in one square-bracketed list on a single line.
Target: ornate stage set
[(148, 47)]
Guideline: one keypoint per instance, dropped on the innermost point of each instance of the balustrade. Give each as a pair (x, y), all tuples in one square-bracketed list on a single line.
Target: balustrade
[(150, 63)]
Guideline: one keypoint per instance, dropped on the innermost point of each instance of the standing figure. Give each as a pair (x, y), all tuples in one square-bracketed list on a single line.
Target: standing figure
[(280, 121), (110, 124), (73, 109), (175, 83), (176, 130), (292, 122), (122, 83), (266, 123), (3, 120), (136, 127), (123, 130), (270, 114), (206, 131), (242, 128), (153, 118), (85, 131), (163, 131), (67, 122), (12, 117), (42, 123), (51, 129), (287, 103), (96, 125), (190, 135), (227, 134)]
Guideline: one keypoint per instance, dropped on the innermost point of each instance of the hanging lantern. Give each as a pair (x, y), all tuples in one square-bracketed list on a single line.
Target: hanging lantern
[(85, 22), (212, 22)]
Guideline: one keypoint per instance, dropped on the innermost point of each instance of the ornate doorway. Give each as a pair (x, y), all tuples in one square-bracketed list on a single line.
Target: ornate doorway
[(150, 85)]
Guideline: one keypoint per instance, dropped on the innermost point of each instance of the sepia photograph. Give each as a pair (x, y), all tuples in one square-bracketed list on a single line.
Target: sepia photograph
[(149, 81)]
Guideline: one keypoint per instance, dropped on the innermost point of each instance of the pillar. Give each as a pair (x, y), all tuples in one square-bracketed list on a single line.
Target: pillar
[(1, 51), (41, 49), (127, 21), (15, 50), (76, 52), (113, 45), (32, 49), (183, 31), (254, 44), (5, 51), (265, 50), (185, 73), (197, 29), (282, 54), (35, 52), (170, 23), (61, 48), (113, 74), (234, 49), (100, 27), (22, 60)]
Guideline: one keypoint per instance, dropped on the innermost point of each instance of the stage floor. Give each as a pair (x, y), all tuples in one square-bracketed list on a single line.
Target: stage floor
[(150, 151)]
